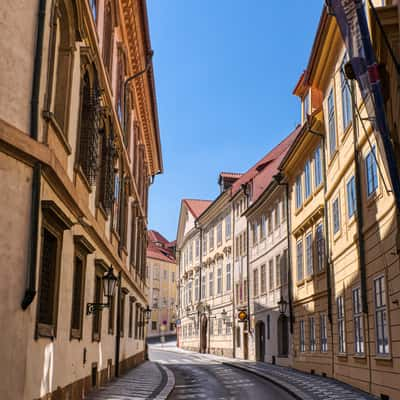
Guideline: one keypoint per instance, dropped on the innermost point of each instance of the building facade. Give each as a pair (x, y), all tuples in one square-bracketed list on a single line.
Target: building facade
[(161, 278), (77, 154)]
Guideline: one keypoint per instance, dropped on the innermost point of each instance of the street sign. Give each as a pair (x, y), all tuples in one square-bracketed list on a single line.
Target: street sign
[(242, 315)]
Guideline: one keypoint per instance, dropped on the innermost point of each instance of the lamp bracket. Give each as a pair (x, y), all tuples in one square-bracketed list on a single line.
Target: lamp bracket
[(91, 308)]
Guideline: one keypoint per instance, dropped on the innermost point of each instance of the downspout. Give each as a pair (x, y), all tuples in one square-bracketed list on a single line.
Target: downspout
[(279, 178), (178, 258), (360, 223), (118, 333), (201, 267), (328, 258), (30, 290), (246, 192)]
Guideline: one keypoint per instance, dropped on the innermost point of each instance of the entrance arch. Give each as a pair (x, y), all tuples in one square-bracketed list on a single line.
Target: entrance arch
[(260, 341), (203, 334)]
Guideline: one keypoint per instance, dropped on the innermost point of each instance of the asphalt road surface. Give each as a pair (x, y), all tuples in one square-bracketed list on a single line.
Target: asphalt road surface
[(198, 376)]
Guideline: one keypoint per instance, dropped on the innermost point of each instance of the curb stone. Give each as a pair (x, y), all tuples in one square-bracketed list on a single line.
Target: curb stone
[(167, 389)]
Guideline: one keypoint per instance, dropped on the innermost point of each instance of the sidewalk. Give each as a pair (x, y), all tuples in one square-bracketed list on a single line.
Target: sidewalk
[(147, 381), (301, 385)]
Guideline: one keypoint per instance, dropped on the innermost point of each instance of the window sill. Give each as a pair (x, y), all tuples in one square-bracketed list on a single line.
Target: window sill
[(307, 200), (343, 356), (359, 356), (79, 172), (310, 277), (373, 197), (45, 331), (346, 131), (50, 117), (300, 283), (332, 158), (383, 357)]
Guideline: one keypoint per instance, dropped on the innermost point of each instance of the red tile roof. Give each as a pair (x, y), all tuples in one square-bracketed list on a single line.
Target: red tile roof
[(232, 175), (159, 247), (262, 173), (196, 206)]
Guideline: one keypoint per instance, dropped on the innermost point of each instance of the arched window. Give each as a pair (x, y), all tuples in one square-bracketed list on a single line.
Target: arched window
[(89, 128), (65, 42), (283, 335), (108, 36)]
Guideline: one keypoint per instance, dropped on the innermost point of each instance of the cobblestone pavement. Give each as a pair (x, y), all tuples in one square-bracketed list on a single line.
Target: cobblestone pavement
[(147, 381), (301, 385)]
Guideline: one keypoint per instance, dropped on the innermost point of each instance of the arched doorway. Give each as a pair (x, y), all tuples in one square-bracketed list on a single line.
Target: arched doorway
[(203, 334), (283, 336), (260, 341)]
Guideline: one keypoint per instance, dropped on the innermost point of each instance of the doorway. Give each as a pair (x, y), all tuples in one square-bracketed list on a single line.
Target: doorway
[(260, 341), (245, 342), (203, 334)]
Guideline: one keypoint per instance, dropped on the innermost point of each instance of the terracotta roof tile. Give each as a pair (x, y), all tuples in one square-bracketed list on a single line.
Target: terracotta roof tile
[(163, 252), (262, 173), (196, 206)]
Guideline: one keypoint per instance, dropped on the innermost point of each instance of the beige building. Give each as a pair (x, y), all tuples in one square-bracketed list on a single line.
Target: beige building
[(161, 278), (76, 160), (344, 231)]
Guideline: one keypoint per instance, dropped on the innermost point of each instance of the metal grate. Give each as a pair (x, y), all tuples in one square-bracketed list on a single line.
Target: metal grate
[(108, 155), (89, 132)]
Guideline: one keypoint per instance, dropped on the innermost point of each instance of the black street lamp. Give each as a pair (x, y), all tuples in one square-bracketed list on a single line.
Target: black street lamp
[(109, 283), (147, 314), (282, 305), (224, 316)]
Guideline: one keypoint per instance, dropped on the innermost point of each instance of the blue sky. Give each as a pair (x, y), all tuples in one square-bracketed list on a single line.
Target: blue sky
[(225, 71)]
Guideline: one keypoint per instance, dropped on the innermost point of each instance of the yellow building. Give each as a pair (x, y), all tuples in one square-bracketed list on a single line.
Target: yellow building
[(357, 291), (161, 278), (76, 159)]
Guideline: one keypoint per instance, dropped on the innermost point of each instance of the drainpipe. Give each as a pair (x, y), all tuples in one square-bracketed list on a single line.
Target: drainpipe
[(278, 178), (118, 333), (328, 258), (201, 267), (30, 290), (247, 194), (360, 223)]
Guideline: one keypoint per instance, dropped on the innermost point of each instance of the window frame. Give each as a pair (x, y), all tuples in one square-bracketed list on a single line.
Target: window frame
[(332, 131), (358, 323), (299, 256), (379, 309), (341, 324), (371, 154)]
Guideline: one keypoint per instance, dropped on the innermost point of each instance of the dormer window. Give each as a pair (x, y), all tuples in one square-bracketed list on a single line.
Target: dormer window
[(306, 106)]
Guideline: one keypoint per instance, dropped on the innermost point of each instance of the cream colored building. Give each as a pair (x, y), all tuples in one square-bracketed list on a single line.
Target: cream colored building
[(346, 312), (76, 159), (161, 278)]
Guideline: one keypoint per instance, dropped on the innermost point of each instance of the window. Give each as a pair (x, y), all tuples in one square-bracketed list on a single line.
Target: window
[(270, 224), (165, 274), (130, 328), (371, 171), (312, 334), (346, 96), (120, 90), (190, 253), (381, 328), (317, 167), (323, 333), (238, 336), (219, 326), (205, 244), (254, 232), (309, 255), (156, 294), (78, 294), (255, 282), (122, 320), (358, 322), (197, 248), (154, 325), (331, 124), (219, 234), (219, 280), (336, 215), (277, 216), (319, 238), (173, 277), (227, 227), (98, 297), (278, 270), (271, 274), (196, 289), (262, 228), (52, 232), (228, 328), (190, 292), (263, 279), (228, 276), (284, 205), (306, 106), (299, 195), (341, 324), (302, 337), (211, 283), (299, 248), (108, 37), (203, 286), (156, 273), (351, 197), (307, 179), (211, 238), (245, 288)]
